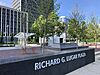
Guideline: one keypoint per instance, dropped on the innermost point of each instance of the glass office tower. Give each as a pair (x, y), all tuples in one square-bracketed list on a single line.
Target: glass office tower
[(33, 8)]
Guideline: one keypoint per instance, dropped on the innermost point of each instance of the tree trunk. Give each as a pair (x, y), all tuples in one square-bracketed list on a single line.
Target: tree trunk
[(53, 38), (43, 46), (95, 42), (77, 42), (41, 43)]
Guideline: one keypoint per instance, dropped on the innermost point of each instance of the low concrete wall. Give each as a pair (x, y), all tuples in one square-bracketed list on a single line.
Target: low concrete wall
[(58, 64), (63, 45)]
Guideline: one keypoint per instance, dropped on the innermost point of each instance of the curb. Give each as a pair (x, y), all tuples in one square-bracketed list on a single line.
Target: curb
[(97, 53)]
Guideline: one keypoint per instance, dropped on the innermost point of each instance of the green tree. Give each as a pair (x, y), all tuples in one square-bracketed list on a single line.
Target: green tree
[(39, 26), (45, 10), (83, 31), (93, 29), (52, 25), (75, 25)]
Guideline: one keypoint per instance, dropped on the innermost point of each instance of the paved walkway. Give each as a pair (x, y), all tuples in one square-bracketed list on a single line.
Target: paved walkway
[(91, 69)]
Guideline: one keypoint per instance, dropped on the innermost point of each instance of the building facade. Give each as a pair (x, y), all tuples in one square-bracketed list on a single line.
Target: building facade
[(34, 8), (16, 4), (12, 21)]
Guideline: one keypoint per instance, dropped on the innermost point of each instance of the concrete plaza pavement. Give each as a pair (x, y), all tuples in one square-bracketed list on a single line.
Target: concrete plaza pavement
[(91, 69)]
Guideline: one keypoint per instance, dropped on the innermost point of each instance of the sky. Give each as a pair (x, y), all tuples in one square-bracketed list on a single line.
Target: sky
[(87, 7), (5, 3)]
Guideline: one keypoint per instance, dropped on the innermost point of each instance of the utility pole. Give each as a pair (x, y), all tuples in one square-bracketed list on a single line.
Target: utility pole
[(24, 25)]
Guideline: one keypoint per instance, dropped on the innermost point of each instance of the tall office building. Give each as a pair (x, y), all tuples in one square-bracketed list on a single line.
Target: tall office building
[(16, 4), (11, 21), (34, 8)]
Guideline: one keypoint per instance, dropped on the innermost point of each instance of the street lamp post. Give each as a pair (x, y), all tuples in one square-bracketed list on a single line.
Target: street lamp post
[(7, 34)]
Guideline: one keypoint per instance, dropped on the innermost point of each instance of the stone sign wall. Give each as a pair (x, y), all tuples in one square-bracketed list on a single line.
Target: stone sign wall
[(60, 64)]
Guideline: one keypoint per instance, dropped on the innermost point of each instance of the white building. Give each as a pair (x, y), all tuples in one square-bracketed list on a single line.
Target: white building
[(58, 39), (16, 4), (12, 21)]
